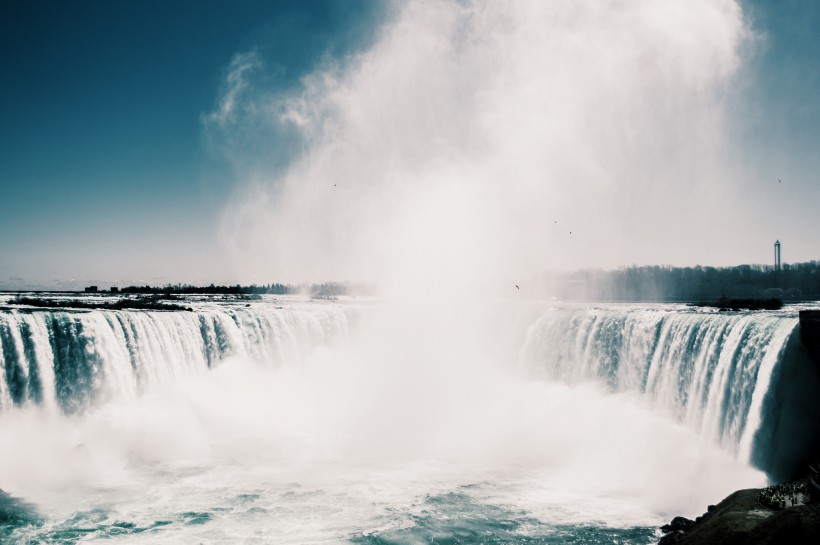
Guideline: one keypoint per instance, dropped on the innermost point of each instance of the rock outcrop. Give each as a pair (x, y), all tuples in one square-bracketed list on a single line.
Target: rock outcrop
[(810, 332), (747, 517)]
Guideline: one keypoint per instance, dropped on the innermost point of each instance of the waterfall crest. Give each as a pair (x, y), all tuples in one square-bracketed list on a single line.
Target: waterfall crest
[(71, 360), (709, 370), (730, 377)]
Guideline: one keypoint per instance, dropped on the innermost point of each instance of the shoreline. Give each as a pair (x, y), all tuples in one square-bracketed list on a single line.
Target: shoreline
[(753, 517)]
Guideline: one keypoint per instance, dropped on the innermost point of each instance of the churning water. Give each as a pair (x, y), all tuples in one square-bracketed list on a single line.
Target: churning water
[(292, 421)]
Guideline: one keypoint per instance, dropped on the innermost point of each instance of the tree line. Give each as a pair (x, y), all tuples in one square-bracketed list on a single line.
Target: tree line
[(793, 282), (326, 289)]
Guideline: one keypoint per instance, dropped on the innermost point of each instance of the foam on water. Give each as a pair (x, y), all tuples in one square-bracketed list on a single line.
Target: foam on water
[(414, 422)]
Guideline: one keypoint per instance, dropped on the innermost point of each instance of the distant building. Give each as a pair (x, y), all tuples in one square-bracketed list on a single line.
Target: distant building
[(91, 289), (114, 289), (777, 255)]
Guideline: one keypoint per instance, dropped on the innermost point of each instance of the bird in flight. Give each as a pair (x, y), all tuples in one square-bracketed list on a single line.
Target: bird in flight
[(516, 287)]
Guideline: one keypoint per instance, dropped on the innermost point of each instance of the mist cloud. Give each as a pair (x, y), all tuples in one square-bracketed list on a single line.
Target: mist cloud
[(472, 137), (235, 82)]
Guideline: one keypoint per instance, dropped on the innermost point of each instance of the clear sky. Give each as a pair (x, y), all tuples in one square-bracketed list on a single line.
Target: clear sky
[(105, 173), (134, 134)]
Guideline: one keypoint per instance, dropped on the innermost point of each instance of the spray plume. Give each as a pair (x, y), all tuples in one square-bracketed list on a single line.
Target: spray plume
[(445, 153)]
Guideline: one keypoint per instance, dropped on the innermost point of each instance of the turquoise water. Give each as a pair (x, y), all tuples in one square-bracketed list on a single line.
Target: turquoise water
[(447, 519), (291, 421), (454, 518)]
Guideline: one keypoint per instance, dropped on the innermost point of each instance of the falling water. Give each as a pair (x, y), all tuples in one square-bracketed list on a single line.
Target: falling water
[(709, 370), (312, 421), (75, 359)]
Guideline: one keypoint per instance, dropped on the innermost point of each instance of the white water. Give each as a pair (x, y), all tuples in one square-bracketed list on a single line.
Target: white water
[(708, 370), (331, 421), (117, 354)]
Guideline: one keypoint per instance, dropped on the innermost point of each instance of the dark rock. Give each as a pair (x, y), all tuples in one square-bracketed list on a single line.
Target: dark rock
[(678, 523), (750, 303), (810, 332), (141, 303), (741, 519)]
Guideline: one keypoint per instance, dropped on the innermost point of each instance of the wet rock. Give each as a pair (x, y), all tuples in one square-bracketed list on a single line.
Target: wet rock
[(678, 523), (743, 519), (810, 332)]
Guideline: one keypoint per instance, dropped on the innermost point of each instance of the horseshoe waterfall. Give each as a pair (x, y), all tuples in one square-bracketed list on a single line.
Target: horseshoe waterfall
[(355, 421)]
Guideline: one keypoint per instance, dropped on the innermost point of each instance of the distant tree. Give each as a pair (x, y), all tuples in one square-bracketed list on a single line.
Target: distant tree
[(797, 281)]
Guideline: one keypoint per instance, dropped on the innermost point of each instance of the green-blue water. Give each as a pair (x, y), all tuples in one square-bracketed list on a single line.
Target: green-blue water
[(291, 421)]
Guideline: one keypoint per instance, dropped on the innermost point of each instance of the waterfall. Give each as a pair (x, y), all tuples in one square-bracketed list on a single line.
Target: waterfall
[(709, 370), (568, 413), (731, 377), (70, 360)]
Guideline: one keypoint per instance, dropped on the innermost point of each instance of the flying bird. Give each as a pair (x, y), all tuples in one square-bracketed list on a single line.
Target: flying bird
[(516, 287), (778, 181)]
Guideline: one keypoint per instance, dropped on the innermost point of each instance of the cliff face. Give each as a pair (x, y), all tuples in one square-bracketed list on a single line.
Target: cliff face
[(810, 332), (755, 516), (741, 519)]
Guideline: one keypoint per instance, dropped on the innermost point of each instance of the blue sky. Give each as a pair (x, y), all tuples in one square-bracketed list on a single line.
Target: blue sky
[(108, 175), (781, 103), (104, 170)]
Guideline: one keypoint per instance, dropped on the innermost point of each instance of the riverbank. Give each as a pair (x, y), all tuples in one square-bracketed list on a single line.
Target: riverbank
[(768, 516), (810, 333), (140, 303)]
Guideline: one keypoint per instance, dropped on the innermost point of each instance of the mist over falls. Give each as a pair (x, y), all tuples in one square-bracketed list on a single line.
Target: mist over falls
[(459, 150), (448, 161), (487, 387), (742, 380), (465, 148)]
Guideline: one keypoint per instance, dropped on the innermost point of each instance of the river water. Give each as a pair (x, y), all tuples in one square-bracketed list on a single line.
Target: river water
[(286, 420)]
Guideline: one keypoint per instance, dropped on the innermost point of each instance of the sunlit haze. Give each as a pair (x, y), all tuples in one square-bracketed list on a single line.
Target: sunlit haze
[(401, 272), (426, 144)]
